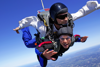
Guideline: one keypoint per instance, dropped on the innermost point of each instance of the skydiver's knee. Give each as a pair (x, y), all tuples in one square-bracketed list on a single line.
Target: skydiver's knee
[(29, 45)]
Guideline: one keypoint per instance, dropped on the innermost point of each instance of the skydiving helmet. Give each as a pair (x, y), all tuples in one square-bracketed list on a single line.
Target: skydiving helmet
[(57, 8)]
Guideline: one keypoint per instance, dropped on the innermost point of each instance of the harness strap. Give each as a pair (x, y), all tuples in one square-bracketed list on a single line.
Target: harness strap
[(46, 42)]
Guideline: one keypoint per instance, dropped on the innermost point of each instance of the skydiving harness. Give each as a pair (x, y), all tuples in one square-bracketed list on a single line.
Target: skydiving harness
[(45, 17)]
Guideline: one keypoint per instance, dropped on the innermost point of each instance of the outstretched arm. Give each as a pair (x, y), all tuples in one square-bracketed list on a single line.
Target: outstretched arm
[(80, 39), (87, 9), (28, 21)]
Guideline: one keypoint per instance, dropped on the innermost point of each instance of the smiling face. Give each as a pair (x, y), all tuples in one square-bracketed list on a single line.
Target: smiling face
[(62, 18), (65, 41)]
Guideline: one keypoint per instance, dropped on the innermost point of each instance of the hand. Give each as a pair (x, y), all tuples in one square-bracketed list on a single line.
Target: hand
[(83, 39), (16, 29), (98, 7), (48, 54), (93, 3)]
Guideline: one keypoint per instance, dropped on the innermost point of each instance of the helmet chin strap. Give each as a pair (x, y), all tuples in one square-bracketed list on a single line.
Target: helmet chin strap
[(63, 25), (58, 26)]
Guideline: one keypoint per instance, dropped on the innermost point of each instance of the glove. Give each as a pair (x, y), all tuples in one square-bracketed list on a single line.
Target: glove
[(93, 4)]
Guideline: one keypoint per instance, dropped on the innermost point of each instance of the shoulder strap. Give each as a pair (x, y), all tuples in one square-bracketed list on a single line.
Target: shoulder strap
[(70, 21), (44, 16), (73, 40), (38, 39)]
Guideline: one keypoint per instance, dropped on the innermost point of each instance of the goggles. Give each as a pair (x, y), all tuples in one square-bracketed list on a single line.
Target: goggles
[(62, 16), (65, 38)]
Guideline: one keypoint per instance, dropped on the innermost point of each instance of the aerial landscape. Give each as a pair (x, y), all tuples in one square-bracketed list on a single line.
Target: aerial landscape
[(89, 57)]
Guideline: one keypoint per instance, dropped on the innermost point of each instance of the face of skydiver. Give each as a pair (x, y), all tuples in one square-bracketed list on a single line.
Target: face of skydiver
[(65, 41), (61, 19)]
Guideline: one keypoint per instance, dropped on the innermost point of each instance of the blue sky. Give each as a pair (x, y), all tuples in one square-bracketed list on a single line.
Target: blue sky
[(14, 53)]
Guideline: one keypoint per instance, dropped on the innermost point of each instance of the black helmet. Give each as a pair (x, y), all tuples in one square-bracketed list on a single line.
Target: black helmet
[(65, 30), (57, 8)]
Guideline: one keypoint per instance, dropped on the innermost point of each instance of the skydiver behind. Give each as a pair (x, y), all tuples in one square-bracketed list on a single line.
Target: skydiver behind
[(46, 51), (59, 17)]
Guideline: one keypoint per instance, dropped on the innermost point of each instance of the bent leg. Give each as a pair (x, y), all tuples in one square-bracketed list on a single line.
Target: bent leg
[(27, 38), (42, 61)]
